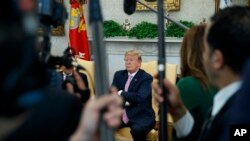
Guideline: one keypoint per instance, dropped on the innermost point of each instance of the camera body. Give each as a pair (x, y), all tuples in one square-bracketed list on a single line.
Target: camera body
[(67, 66), (83, 94), (71, 80), (53, 13)]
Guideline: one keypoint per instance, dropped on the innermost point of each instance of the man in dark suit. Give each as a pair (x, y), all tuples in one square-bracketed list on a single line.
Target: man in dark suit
[(66, 75), (239, 110), (134, 86), (29, 108), (227, 48)]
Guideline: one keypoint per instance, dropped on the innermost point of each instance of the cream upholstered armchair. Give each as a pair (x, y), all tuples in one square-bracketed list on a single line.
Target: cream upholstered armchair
[(89, 66), (150, 67)]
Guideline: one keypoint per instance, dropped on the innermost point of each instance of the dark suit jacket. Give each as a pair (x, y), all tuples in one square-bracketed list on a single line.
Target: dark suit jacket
[(242, 102), (239, 113), (217, 128), (234, 112), (221, 124), (139, 96)]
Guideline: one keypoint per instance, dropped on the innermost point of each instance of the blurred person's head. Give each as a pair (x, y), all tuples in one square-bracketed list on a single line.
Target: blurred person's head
[(67, 66), (27, 5), (191, 54), (69, 51), (20, 70), (227, 45), (132, 61)]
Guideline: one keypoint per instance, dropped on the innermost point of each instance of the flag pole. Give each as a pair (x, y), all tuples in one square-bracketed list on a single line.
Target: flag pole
[(101, 70)]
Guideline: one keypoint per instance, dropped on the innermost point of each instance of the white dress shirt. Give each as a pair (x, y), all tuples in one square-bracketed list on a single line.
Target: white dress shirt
[(223, 95), (184, 125), (133, 74), (65, 75)]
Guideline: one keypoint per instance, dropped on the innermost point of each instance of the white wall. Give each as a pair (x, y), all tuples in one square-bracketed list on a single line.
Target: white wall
[(194, 10), (59, 44), (191, 10)]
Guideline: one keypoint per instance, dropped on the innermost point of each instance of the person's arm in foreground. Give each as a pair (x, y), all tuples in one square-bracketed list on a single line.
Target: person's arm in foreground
[(91, 114), (183, 121), (88, 126)]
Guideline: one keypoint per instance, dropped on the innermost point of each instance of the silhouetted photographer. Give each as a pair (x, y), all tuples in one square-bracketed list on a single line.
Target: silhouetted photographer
[(66, 75), (29, 108)]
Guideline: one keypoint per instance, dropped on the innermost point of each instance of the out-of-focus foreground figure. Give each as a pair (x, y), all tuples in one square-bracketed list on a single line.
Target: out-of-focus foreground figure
[(227, 49), (29, 108)]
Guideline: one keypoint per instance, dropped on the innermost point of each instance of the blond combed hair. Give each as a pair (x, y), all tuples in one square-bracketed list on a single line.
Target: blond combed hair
[(133, 53)]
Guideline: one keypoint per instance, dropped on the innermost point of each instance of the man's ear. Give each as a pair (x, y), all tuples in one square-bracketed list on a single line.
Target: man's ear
[(217, 59), (140, 64)]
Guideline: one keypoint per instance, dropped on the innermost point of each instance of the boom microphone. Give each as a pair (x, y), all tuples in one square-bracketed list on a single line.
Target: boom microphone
[(129, 6)]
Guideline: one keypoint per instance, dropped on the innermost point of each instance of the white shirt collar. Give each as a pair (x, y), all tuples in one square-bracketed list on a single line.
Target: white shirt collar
[(223, 96), (64, 75), (133, 74)]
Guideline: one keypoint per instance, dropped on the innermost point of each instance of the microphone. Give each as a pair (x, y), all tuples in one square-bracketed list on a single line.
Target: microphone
[(129, 6)]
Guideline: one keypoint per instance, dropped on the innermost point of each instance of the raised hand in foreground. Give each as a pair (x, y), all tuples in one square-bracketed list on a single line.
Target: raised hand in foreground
[(91, 115), (175, 105)]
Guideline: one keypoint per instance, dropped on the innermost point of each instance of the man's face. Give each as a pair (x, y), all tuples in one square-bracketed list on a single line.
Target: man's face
[(27, 5), (67, 70), (208, 58), (132, 63)]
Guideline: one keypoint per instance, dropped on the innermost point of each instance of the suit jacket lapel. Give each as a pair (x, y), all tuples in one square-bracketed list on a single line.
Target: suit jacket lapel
[(225, 107), (213, 120), (135, 79), (210, 124), (124, 79)]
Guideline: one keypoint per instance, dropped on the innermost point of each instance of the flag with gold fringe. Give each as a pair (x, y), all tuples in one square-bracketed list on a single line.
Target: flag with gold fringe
[(78, 39)]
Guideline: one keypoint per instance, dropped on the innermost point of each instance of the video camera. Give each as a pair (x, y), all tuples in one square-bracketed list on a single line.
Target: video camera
[(53, 13), (67, 62)]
